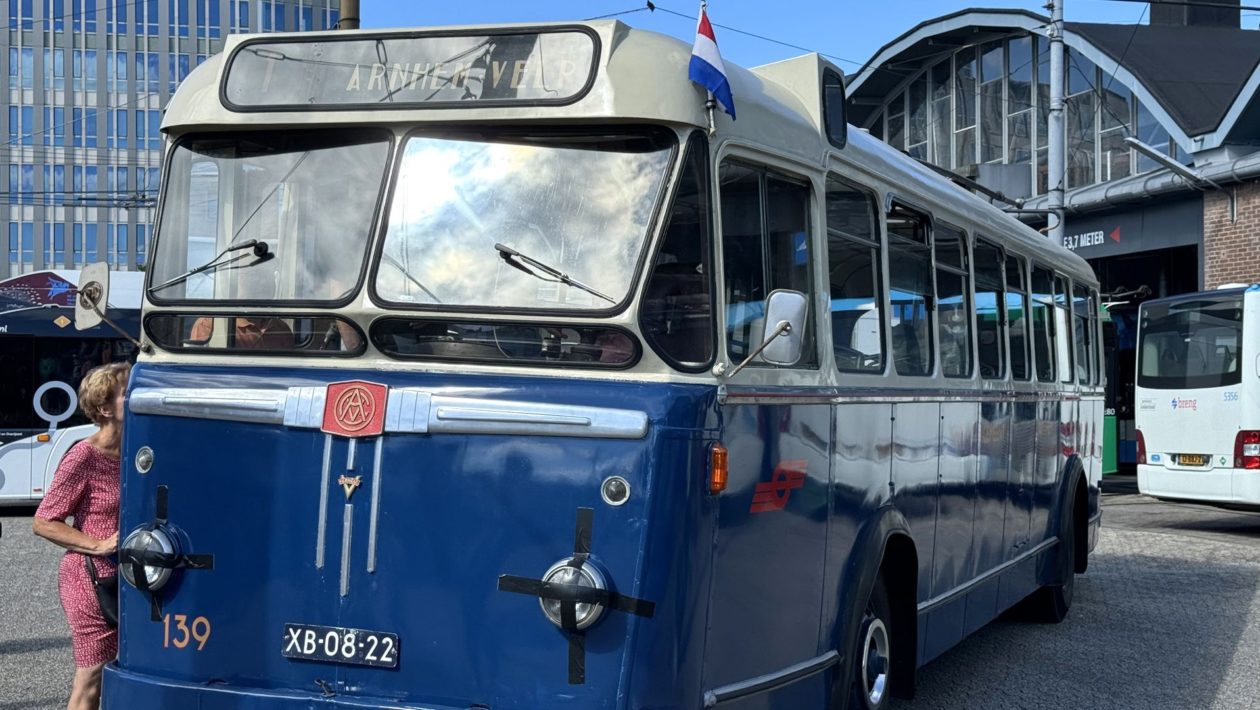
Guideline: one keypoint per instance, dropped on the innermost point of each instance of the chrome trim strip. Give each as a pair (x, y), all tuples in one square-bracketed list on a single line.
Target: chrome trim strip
[(351, 449), (304, 407), (347, 527), (770, 681), (321, 527), (961, 589), (408, 411), (257, 406), (376, 503)]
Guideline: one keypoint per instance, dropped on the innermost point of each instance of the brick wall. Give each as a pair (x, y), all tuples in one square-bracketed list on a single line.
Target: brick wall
[(1231, 250)]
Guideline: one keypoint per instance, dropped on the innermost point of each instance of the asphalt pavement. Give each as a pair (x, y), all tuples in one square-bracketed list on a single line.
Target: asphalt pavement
[(1168, 616)]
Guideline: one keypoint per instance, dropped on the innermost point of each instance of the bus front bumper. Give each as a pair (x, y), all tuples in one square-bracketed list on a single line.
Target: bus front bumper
[(125, 690)]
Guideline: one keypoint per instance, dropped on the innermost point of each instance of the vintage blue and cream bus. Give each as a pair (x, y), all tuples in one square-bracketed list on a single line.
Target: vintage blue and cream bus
[(479, 373)]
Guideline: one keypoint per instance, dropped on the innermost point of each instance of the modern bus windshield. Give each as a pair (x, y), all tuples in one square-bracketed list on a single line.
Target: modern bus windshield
[(489, 223), (276, 189), (1191, 344)]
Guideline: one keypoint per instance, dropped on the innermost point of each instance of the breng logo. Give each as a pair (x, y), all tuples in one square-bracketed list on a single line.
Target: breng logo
[(1191, 404)]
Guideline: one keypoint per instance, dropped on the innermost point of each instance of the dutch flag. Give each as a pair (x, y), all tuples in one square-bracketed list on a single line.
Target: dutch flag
[(706, 65)]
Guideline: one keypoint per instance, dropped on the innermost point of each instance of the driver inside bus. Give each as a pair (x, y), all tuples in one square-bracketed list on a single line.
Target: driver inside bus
[(249, 332)]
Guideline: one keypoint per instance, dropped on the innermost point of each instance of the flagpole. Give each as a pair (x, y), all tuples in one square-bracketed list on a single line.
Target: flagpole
[(709, 106)]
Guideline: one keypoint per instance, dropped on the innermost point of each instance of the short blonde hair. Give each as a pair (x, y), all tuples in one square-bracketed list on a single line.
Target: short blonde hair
[(100, 386)]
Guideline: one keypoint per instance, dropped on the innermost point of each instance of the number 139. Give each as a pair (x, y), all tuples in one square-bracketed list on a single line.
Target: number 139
[(199, 631)]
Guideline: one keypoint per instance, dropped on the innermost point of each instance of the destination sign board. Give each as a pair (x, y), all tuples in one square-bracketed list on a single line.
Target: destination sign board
[(414, 71)]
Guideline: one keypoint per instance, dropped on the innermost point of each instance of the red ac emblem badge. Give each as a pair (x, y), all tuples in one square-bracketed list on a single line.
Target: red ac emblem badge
[(355, 409), (773, 494)]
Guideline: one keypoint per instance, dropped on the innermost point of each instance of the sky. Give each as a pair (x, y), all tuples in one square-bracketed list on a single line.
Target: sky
[(850, 31)]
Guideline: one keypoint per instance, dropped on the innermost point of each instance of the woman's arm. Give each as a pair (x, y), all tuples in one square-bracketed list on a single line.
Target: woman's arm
[(73, 540)]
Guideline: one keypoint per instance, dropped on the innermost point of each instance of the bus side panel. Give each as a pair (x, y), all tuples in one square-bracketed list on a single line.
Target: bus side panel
[(15, 470), (956, 524), (1024, 430), (767, 580), (1050, 445), (916, 445), (993, 476)]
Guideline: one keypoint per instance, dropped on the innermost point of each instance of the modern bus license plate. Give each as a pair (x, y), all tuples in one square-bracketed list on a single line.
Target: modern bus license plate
[(1192, 459), (332, 644)]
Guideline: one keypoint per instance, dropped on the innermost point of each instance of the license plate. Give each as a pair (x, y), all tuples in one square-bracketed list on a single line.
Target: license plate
[(331, 644), (1192, 460)]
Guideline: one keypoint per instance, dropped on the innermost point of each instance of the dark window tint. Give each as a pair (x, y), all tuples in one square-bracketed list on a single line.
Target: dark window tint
[(990, 314), (677, 314), (1043, 323), (853, 268), (910, 291), (953, 295), (326, 336), (505, 343), (833, 108), (1017, 321), (765, 245)]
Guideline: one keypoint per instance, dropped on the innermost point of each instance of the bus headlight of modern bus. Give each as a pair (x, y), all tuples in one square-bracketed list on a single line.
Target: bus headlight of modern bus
[(570, 573), (141, 543)]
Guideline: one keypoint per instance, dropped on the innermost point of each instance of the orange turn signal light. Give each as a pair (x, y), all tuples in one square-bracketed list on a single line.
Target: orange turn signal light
[(43, 438), (717, 469)]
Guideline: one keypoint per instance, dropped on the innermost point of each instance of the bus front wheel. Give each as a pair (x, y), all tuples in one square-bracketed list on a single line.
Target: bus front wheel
[(872, 652), (1051, 603)]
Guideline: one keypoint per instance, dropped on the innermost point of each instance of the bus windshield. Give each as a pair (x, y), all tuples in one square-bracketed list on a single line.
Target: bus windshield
[(309, 197), (1191, 344), (521, 221)]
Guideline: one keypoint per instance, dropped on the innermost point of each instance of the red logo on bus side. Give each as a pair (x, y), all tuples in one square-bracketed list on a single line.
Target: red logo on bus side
[(773, 494), (355, 409)]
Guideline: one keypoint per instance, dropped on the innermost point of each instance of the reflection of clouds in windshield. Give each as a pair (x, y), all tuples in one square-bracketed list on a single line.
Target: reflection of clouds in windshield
[(583, 212)]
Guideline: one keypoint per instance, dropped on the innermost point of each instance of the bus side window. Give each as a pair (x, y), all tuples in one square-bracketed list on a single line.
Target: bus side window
[(1017, 320), (764, 249), (854, 272), (1063, 328), (1043, 323), (1081, 328), (953, 311), (990, 317), (1095, 315), (910, 290), (677, 314)]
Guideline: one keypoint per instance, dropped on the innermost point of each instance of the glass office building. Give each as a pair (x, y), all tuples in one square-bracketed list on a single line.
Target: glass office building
[(87, 82)]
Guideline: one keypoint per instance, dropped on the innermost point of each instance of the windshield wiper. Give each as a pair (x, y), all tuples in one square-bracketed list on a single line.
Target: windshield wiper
[(260, 250), (515, 259), (407, 274)]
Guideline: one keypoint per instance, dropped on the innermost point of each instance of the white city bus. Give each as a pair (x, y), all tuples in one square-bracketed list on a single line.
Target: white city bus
[(1198, 393)]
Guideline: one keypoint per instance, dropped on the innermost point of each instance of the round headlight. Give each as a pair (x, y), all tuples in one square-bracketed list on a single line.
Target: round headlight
[(585, 576), (143, 540)]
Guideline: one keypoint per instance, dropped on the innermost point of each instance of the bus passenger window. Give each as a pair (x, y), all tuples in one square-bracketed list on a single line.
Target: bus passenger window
[(1096, 350), (1043, 323), (763, 251), (1080, 327), (1016, 317), (910, 291), (677, 314), (953, 316), (1063, 329), (989, 315), (854, 270)]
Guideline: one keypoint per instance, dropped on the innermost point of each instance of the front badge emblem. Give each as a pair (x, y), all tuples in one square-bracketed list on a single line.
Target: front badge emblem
[(355, 409), (349, 484)]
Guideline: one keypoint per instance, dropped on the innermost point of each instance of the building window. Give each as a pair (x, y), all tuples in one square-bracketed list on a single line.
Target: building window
[(965, 85), (941, 115), (917, 118)]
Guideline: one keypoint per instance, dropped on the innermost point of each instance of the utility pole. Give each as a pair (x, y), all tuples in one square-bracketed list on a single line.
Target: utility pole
[(349, 19), (1057, 155)]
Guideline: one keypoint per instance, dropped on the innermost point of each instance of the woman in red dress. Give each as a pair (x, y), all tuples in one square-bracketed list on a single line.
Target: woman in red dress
[(86, 487)]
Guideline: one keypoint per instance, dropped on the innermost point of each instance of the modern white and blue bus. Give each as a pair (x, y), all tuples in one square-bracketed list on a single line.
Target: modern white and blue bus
[(42, 359), (482, 375), (1198, 396)]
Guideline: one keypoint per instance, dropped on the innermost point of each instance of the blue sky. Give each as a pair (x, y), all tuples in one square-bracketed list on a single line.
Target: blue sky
[(850, 29)]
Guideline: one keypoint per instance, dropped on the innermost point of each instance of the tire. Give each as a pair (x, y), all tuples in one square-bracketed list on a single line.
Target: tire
[(1051, 603), (870, 687)]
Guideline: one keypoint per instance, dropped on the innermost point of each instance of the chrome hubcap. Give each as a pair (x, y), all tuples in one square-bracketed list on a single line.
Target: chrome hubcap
[(875, 661)]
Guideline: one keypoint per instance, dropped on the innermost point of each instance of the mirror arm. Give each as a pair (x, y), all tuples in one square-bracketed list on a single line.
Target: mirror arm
[(88, 295), (782, 328)]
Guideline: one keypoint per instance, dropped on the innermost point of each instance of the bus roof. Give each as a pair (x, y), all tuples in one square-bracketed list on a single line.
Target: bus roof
[(637, 75)]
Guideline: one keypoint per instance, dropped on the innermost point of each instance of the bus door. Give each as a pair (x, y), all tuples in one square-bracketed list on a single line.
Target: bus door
[(767, 576)]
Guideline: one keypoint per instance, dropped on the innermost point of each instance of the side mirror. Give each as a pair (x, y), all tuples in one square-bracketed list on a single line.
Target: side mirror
[(93, 296), (783, 345)]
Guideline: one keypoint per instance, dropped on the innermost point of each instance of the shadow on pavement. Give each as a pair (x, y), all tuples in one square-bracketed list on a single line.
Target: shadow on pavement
[(32, 645)]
